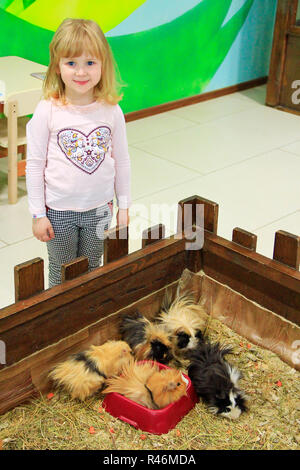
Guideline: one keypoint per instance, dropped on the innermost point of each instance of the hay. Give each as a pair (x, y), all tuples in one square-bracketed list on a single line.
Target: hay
[(272, 422)]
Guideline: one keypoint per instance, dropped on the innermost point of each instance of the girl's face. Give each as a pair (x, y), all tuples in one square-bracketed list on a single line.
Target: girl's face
[(80, 75)]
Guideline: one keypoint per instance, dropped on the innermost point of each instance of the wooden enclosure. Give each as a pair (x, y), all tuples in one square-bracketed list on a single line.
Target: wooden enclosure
[(283, 89), (44, 326)]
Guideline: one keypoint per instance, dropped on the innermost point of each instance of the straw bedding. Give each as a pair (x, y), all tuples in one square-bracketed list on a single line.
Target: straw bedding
[(271, 423)]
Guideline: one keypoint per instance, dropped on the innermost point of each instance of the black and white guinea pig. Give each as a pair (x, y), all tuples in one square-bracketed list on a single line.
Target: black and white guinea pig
[(215, 381)]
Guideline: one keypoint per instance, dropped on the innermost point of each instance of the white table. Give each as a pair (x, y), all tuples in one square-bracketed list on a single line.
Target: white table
[(16, 72)]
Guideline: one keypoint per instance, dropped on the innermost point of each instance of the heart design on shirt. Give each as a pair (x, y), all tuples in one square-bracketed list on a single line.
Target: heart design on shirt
[(86, 152)]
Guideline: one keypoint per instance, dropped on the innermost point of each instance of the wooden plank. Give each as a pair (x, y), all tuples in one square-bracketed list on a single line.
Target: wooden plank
[(18, 389), (244, 238), (289, 96), (152, 234), (29, 278), (293, 15), (74, 268), (80, 302), (278, 54), (115, 244), (258, 278), (193, 206), (287, 249)]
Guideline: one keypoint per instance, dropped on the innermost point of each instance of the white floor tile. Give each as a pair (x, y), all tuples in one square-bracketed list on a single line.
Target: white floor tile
[(15, 221), (250, 194), (226, 141), (262, 128), (151, 174), (153, 126), (292, 148), (253, 95), (210, 110)]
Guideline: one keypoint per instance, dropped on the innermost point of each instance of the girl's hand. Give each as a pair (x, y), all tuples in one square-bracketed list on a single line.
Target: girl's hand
[(122, 217), (42, 229)]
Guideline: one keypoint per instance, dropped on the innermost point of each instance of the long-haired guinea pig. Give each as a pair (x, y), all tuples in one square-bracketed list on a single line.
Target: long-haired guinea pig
[(148, 340), (85, 373), (147, 385), (167, 386), (185, 320), (215, 380)]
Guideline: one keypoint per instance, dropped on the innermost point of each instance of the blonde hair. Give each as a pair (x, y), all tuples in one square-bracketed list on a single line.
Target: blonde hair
[(73, 38)]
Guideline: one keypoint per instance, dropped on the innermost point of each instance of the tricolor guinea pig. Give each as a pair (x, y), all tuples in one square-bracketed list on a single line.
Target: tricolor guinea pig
[(185, 320), (148, 340), (85, 373)]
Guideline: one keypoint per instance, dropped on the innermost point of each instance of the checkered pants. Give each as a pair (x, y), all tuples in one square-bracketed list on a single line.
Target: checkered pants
[(76, 234)]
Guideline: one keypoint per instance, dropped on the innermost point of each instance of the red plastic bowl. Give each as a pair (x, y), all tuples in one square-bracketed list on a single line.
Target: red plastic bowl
[(153, 421)]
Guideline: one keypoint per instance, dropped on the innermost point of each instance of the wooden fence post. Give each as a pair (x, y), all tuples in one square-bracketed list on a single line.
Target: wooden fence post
[(244, 238), (211, 212), (152, 234), (29, 278), (74, 268), (287, 249), (115, 243), (204, 215)]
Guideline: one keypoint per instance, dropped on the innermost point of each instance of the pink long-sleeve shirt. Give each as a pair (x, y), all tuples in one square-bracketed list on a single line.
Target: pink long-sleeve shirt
[(77, 157)]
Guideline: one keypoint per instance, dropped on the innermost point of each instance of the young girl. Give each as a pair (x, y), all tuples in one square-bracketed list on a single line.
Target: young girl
[(77, 151)]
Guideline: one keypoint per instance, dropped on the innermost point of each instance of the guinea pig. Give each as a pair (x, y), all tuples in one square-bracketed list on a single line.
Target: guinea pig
[(148, 340), (185, 320), (167, 386), (145, 384), (85, 373), (216, 381)]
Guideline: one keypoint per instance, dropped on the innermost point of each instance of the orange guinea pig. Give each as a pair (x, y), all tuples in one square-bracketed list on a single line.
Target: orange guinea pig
[(167, 386), (145, 384)]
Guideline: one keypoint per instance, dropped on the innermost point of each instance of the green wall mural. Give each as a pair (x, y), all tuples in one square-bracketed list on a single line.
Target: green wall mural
[(165, 63), (49, 14), (179, 58)]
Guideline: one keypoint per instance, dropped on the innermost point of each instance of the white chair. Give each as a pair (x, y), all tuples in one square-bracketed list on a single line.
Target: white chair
[(13, 135)]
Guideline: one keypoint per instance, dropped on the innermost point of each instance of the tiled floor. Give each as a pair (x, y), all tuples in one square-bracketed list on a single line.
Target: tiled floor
[(233, 150)]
